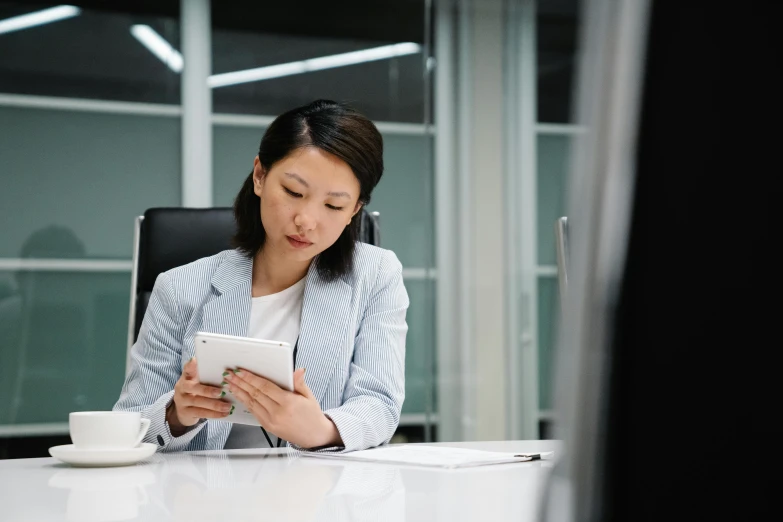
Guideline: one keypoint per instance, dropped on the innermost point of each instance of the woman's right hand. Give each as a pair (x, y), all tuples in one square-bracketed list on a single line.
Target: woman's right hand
[(194, 401)]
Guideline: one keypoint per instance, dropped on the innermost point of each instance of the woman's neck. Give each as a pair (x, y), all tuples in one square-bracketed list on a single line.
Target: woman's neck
[(272, 274)]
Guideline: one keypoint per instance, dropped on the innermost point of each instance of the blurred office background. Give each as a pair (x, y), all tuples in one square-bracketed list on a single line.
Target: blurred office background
[(473, 101)]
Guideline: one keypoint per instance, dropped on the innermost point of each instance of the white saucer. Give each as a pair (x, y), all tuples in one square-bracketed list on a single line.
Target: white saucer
[(102, 458)]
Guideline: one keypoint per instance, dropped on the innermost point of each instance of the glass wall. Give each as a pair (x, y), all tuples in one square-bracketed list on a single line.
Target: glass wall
[(86, 172), (89, 138), (556, 57), (89, 53), (553, 153)]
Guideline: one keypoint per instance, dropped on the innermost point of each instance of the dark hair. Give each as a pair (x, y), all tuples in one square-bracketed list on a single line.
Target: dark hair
[(332, 127)]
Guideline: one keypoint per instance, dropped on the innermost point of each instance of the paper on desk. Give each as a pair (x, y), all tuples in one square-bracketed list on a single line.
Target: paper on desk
[(437, 456)]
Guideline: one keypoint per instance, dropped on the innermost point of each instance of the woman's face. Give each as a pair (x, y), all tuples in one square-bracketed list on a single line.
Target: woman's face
[(307, 200)]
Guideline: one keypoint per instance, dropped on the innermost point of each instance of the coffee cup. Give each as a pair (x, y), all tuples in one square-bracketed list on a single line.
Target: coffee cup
[(107, 430)]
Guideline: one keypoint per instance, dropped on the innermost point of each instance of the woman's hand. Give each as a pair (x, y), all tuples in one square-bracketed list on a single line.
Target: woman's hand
[(293, 416), (194, 401)]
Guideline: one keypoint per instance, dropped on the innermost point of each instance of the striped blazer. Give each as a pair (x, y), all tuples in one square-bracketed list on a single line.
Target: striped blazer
[(351, 341)]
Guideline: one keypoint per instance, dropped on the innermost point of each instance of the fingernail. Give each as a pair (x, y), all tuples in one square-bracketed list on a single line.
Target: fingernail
[(223, 383), (223, 393), (225, 373), (191, 359), (236, 371), (231, 412)]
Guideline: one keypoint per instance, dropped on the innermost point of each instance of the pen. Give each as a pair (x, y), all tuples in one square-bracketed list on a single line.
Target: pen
[(531, 456)]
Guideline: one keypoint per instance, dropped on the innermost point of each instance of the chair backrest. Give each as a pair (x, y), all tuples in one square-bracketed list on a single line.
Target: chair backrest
[(165, 238)]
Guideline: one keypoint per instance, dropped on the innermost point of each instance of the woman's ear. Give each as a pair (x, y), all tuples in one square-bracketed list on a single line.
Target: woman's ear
[(259, 175), (356, 210)]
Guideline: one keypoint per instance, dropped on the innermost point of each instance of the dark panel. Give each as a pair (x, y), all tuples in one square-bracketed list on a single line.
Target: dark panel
[(556, 41), (94, 55), (30, 447), (693, 417), (400, 20)]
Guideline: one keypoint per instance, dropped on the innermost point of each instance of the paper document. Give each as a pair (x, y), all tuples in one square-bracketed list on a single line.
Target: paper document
[(437, 456)]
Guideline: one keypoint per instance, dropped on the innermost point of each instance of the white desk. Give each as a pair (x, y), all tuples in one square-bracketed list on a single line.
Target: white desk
[(243, 485)]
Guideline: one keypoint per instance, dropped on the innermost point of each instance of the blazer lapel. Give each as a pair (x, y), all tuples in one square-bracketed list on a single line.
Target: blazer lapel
[(229, 312), (324, 320)]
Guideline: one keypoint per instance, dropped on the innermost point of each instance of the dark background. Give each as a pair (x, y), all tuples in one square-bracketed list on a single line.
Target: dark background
[(694, 413)]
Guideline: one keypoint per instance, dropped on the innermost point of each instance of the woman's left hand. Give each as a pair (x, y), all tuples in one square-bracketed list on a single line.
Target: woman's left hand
[(293, 416)]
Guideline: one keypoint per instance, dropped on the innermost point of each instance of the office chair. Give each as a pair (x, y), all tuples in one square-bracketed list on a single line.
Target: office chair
[(165, 238)]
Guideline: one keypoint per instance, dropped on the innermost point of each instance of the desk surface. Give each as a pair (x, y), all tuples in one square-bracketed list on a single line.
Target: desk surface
[(240, 485)]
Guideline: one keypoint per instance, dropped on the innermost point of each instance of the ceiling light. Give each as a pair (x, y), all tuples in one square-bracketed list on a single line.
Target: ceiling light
[(25, 21), (314, 64), (158, 46)]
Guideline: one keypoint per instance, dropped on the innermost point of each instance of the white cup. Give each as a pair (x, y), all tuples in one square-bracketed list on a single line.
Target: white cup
[(107, 430)]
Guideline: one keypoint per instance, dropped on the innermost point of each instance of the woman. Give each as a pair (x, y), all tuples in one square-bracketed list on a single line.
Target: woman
[(297, 275)]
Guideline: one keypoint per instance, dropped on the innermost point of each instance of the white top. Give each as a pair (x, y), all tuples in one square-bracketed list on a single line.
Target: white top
[(274, 317), (261, 484)]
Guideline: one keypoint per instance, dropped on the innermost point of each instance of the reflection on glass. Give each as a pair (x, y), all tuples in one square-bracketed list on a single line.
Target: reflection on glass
[(548, 313), (420, 334), (92, 173), (556, 32), (62, 342), (402, 199), (90, 54), (290, 58), (554, 153)]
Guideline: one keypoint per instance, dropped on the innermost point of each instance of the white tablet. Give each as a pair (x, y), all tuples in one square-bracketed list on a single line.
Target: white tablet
[(216, 353)]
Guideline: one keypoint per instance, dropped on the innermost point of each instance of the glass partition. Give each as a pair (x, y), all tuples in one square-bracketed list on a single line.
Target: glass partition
[(95, 53), (85, 173), (89, 138), (62, 343)]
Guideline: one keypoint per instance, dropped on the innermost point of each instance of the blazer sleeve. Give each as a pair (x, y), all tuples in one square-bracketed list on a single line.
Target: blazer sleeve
[(156, 365), (375, 391)]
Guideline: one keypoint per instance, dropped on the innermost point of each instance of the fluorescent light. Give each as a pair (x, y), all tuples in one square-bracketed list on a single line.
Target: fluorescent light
[(158, 46), (314, 64), (46, 16)]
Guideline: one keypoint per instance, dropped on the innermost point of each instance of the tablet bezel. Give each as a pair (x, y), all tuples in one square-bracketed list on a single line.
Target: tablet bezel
[(216, 353)]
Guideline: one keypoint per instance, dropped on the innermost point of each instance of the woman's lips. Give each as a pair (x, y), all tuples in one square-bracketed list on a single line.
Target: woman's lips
[(298, 243)]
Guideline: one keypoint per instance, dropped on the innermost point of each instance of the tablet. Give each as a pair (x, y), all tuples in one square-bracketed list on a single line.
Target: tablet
[(216, 353)]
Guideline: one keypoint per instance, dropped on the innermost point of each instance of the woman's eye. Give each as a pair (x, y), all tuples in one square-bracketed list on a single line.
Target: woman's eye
[(333, 207), (292, 193)]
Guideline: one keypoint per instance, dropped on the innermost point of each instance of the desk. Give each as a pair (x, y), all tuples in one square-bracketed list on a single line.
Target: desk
[(243, 485)]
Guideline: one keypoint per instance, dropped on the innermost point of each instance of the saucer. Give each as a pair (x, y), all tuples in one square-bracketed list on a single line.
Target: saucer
[(101, 458)]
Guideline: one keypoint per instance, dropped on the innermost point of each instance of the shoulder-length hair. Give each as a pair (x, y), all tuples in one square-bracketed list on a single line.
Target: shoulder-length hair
[(335, 128)]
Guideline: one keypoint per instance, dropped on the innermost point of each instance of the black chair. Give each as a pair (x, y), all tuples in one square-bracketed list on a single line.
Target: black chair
[(165, 238)]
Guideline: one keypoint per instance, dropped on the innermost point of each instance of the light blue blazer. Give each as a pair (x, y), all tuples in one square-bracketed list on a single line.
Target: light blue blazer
[(351, 341)]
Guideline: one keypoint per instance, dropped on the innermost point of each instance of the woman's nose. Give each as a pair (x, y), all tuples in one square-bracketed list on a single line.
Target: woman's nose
[(304, 221)]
